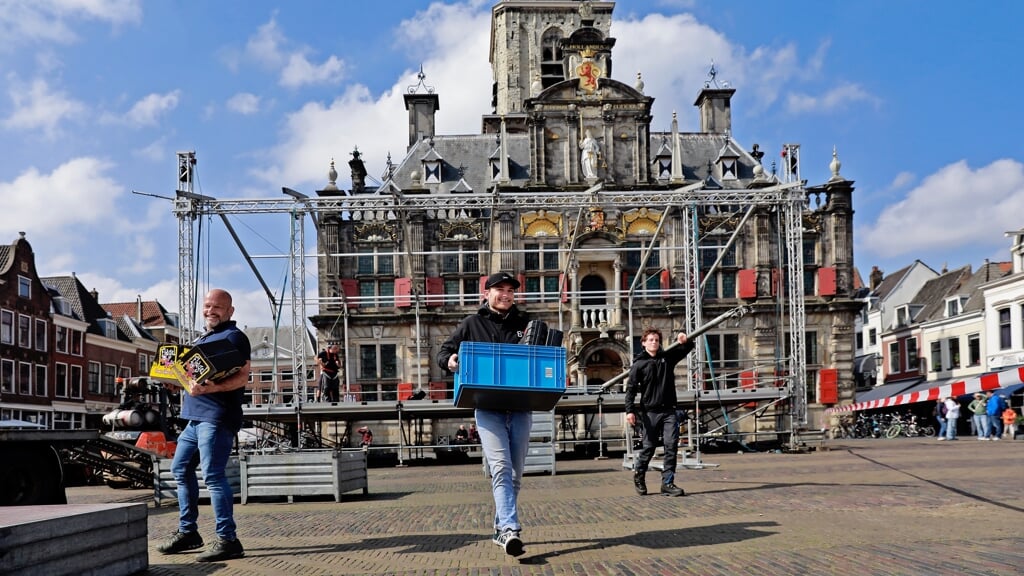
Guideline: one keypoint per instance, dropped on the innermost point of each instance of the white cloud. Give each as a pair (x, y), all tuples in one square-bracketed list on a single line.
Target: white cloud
[(299, 71), (270, 48), (244, 103), (79, 191), (952, 208), (833, 100), (155, 151), (902, 180), (37, 107), (452, 41), (53, 20), (148, 110)]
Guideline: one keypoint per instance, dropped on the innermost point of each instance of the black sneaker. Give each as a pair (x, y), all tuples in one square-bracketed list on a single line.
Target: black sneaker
[(640, 483), (509, 540), (180, 542), (672, 490), (222, 550)]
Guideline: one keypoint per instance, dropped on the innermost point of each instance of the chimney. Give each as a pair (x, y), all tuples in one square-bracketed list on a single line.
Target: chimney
[(95, 295), (715, 110), (876, 278), (138, 308), (421, 106)]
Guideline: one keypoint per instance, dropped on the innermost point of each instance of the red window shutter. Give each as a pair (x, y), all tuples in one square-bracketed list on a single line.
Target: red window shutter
[(747, 280), (438, 390), (748, 379), (521, 291), (435, 291), (403, 291), (404, 391), (828, 386), (350, 288), (483, 281), (666, 283), (776, 281), (563, 288), (827, 281)]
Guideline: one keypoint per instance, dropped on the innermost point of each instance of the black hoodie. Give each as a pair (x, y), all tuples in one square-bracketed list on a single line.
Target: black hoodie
[(653, 378), (484, 326)]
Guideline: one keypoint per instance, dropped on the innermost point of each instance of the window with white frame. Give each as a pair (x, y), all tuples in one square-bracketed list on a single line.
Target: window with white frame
[(6, 327), (40, 388), (912, 361), (94, 377), (974, 350), (24, 331), (1005, 339), (541, 269), (24, 287), (376, 271), (936, 355), (462, 291), (40, 335), (723, 283), (144, 363), (75, 384), (894, 357), (460, 269), (109, 379), (108, 326), (902, 317), (25, 378), (7, 376), (724, 357), (76, 342), (954, 353), (67, 421), (60, 380), (872, 337), (61, 339)]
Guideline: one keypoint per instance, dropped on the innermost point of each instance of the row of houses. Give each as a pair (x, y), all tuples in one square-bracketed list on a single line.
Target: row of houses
[(920, 328), (64, 353)]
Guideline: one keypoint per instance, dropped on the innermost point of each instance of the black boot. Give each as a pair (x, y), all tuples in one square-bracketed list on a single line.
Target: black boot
[(640, 483)]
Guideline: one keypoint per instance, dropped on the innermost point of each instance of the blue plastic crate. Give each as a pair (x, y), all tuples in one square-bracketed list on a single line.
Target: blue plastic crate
[(509, 376)]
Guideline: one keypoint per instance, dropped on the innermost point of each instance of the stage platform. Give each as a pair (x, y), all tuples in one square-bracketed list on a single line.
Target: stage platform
[(570, 403)]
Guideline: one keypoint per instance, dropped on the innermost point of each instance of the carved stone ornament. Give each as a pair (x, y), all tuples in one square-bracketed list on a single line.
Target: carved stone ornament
[(461, 231), (376, 232)]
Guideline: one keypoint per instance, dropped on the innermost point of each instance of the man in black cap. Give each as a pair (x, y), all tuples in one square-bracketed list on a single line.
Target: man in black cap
[(504, 434)]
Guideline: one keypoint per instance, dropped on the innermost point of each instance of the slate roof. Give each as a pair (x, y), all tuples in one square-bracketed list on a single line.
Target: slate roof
[(82, 302), (933, 293), (154, 315)]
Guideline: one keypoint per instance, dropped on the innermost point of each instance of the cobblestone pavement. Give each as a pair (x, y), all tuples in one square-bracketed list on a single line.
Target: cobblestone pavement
[(857, 507)]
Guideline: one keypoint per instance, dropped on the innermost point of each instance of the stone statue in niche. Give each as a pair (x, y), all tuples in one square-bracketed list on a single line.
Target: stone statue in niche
[(590, 152)]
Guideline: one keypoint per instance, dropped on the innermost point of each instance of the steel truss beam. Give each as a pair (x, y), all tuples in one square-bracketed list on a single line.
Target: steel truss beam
[(788, 198)]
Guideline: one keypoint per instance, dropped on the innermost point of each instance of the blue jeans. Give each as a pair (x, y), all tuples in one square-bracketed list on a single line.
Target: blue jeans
[(981, 425), (213, 443), (995, 426), (950, 428), (942, 426), (505, 439)]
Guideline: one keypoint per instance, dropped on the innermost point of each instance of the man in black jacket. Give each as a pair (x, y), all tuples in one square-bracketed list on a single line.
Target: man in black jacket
[(504, 434), (652, 376)]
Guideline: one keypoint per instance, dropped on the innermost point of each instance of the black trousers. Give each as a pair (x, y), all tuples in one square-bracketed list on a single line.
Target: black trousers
[(666, 426)]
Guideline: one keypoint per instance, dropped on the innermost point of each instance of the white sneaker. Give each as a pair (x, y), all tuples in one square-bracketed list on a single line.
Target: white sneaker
[(941, 438)]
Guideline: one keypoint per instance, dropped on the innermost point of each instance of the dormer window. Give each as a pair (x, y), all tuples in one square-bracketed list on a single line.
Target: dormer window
[(432, 166), (902, 316), (109, 327), (954, 306), (729, 167)]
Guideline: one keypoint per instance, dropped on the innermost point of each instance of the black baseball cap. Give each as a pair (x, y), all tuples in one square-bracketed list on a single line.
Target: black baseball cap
[(499, 277)]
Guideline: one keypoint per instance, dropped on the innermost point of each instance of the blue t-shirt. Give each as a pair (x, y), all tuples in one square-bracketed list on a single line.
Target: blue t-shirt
[(219, 407)]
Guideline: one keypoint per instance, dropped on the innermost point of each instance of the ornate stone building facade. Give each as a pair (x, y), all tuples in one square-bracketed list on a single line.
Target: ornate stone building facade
[(567, 187)]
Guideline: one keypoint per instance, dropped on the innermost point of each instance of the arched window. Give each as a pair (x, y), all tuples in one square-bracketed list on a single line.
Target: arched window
[(551, 70)]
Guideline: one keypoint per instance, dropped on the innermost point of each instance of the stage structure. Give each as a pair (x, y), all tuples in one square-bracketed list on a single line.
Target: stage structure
[(611, 228)]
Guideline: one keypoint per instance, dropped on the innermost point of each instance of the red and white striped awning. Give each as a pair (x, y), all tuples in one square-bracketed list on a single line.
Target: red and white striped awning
[(954, 389)]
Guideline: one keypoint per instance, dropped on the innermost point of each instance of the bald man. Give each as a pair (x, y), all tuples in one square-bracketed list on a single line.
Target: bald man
[(213, 411)]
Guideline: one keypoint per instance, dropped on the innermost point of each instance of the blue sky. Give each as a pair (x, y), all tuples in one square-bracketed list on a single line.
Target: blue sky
[(96, 97)]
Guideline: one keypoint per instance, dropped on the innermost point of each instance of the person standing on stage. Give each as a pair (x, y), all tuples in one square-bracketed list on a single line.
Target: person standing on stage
[(504, 434), (330, 365), (652, 377), (213, 412)]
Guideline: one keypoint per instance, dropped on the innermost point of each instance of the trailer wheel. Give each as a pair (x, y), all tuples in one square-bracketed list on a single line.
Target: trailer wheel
[(30, 476)]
